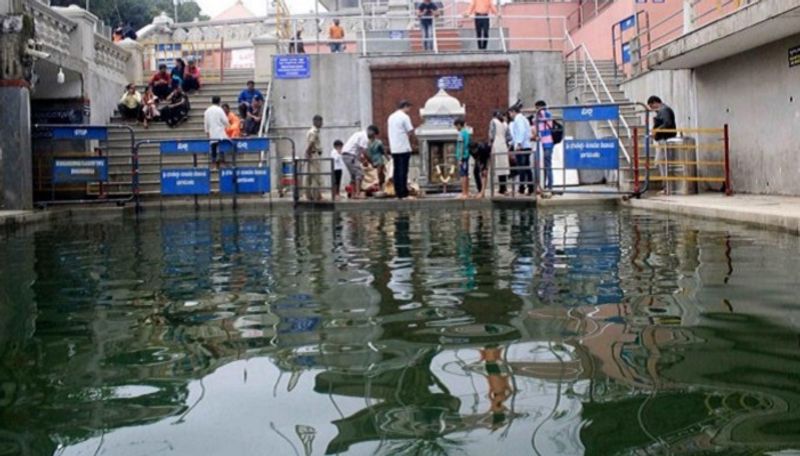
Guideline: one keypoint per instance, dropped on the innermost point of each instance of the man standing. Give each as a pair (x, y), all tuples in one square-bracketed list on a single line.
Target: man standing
[(336, 36), (481, 9), (521, 135), (313, 181), (215, 122), (544, 136), (664, 120), (426, 12), (400, 129), (352, 152)]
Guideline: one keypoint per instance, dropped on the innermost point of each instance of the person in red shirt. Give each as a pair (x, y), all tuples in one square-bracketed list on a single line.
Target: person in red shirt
[(191, 77), (161, 83)]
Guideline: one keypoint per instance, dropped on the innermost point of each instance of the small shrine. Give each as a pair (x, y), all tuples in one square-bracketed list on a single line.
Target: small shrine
[(438, 137)]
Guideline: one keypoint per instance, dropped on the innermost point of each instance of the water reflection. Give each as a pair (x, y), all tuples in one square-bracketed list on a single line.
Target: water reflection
[(591, 332)]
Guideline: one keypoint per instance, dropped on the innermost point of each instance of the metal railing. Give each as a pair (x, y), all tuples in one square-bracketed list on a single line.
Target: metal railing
[(694, 156), (582, 64), (372, 34)]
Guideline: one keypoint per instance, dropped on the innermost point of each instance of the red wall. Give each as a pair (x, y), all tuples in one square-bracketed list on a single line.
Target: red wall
[(485, 89)]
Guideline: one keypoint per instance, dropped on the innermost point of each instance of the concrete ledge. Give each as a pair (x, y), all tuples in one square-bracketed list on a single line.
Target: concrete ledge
[(765, 212)]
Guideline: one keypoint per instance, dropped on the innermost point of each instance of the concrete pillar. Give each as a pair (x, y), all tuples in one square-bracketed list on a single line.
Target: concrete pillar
[(16, 168), (398, 15), (83, 37), (266, 46), (688, 16), (135, 69)]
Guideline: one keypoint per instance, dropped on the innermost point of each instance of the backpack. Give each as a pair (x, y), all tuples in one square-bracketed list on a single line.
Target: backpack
[(558, 132)]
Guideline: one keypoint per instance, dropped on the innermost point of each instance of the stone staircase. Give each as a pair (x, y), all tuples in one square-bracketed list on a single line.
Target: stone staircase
[(447, 39), (589, 90), (118, 146)]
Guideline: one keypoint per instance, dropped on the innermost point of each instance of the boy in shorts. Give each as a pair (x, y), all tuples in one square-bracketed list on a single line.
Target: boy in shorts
[(462, 157), (338, 167)]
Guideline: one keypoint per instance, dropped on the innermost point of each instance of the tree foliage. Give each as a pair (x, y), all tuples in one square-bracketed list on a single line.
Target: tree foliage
[(138, 12)]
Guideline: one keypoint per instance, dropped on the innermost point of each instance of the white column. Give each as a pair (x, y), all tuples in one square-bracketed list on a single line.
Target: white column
[(688, 16)]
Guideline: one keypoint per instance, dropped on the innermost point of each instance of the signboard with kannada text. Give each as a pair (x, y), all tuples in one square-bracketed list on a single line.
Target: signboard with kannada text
[(292, 66), (591, 113), (451, 83), (794, 56), (186, 181), (247, 146), (96, 133), (591, 154), (194, 146), (248, 180), (627, 23), (80, 170)]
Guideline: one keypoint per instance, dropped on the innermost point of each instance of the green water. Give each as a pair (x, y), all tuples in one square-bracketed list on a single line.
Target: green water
[(597, 332)]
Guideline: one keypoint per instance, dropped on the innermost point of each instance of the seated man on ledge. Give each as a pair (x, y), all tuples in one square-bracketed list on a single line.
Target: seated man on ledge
[(246, 98), (130, 105)]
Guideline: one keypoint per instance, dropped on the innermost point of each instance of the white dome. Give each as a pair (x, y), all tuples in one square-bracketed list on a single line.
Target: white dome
[(442, 104)]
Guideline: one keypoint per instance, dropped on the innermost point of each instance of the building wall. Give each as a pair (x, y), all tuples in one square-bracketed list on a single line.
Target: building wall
[(485, 89), (759, 96)]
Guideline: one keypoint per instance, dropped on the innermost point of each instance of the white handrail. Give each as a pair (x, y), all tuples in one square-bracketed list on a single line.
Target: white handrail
[(587, 56)]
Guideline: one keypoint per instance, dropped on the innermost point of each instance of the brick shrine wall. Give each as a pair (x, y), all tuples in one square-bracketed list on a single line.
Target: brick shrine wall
[(486, 88)]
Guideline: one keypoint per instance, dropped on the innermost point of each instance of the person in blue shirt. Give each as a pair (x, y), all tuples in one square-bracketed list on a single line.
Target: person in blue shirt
[(521, 139), (246, 98), (462, 156), (426, 11)]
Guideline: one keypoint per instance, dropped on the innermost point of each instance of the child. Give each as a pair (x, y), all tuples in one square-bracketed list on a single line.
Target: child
[(462, 157), (338, 166)]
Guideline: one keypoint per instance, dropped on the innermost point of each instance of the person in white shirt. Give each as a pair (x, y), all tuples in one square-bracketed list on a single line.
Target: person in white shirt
[(338, 167), (353, 150), (400, 130), (215, 122)]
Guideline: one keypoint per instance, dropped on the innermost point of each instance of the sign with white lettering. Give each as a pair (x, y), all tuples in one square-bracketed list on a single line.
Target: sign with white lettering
[(248, 180), (627, 56), (627, 23), (188, 181), (292, 67), (451, 83), (794, 56), (247, 146), (80, 170), (194, 146), (591, 154), (97, 133), (591, 113)]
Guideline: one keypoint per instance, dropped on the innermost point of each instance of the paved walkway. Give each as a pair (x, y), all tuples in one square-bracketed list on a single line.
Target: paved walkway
[(772, 212)]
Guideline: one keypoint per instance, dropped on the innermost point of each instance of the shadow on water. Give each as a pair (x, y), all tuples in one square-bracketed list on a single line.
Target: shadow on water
[(596, 332)]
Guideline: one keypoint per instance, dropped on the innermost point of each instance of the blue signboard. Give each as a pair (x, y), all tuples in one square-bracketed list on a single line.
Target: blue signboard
[(249, 180), (194, 146), (591, 113), (451, 83), (292, 67), (591, 154), (98, 133), (627, 23), (397, 35), (247, 146), (187, 181), (626, 52), (80, 170)]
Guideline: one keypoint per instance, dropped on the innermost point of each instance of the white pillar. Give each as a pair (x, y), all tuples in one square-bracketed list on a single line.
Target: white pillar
[(688, 16)]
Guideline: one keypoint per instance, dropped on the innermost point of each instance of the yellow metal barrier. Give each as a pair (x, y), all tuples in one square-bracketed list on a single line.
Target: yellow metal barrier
[(694, 156)]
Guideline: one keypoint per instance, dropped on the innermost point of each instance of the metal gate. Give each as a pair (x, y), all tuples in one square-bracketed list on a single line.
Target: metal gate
[(83, 169)]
